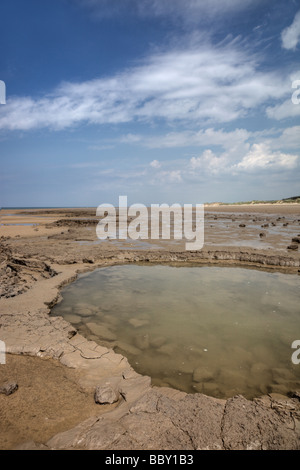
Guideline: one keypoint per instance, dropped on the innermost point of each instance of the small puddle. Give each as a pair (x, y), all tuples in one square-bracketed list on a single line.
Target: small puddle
[(27, 224), (216, 330)]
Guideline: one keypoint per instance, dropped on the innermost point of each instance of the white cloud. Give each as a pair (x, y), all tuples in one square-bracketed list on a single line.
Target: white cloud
[(169, 176), (197, 162), (261, 157), (255, 159), (288, 108), (289, 138), (203, 137), (284, 110), (290, 36), (130, 138), (232, 144), (242, 159), (155, 164), (210, 163), (195, 84), (174, 176)]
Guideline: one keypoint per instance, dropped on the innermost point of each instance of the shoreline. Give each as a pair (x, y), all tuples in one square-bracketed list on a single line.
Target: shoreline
[(42, 261)]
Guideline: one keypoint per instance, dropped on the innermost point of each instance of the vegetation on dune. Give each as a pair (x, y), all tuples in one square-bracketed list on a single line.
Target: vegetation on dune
[(293, 199)]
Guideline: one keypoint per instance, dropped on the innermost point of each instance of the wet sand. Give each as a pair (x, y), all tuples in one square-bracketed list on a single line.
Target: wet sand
[(48, 400), (36, 260)]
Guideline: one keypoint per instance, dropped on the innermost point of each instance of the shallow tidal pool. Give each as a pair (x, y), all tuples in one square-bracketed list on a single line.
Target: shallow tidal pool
[(217, 330)]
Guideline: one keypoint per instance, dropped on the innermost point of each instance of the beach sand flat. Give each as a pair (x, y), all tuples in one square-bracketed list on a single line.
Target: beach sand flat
[(36, 260)]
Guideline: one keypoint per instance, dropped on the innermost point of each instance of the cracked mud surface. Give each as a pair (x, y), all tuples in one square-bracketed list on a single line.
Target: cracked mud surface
[(36, 261)]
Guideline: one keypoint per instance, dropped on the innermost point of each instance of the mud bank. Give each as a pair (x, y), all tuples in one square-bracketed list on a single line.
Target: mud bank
[(34, 265)]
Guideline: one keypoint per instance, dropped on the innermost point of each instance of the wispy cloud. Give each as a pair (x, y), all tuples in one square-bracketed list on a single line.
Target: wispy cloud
[(290, 36), (203, 137), (195, 84)]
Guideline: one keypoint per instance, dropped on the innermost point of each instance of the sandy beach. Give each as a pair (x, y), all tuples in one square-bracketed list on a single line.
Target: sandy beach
[(42, 250)]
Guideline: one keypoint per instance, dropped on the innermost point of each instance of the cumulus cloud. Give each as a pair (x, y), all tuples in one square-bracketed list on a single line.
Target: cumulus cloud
[(253, 161), (208, 161), (258, 156), (242, 158), (193, 84), (261, 157), (290, 36)]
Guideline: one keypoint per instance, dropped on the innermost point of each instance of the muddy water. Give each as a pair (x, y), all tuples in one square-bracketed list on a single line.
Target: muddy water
[(217, 330)]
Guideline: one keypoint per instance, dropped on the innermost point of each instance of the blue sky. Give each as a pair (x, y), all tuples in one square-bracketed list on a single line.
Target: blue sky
[(163, 101)]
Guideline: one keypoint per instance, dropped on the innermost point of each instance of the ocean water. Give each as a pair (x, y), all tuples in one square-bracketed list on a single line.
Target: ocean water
[(217, 330)]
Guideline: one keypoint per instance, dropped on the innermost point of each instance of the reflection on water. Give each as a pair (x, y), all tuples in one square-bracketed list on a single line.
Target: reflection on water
[(216, 330)]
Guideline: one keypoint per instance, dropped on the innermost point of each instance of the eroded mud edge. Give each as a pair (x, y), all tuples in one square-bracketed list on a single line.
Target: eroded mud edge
[(147, 417)]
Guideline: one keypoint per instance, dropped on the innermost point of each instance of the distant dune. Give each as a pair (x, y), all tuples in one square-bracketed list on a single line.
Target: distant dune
[(289, 200)]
